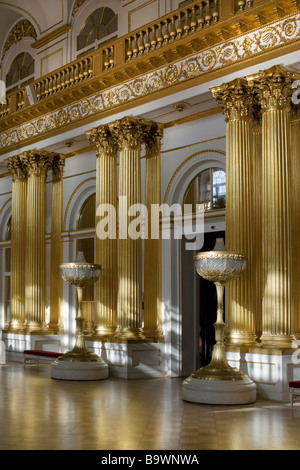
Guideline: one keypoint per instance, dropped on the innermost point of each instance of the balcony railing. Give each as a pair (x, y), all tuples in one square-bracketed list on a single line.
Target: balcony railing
[(174, 28)]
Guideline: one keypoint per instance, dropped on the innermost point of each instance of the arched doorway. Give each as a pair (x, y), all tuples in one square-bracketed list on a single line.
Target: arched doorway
[(209, 189), (189, 304)]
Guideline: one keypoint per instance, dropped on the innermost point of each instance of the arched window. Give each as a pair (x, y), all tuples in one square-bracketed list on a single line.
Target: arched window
[(209, 189), (99, 28), (21, 71)]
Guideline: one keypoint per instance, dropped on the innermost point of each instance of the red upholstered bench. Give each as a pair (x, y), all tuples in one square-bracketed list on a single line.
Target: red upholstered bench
[(34, 355), (294, 389)]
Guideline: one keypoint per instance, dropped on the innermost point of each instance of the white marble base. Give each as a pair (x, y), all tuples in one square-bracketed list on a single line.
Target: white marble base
[(219, 392), (131, 360), (270, 369), (76, 370)]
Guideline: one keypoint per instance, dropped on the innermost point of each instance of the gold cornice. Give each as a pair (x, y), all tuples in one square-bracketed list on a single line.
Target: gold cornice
[(50, 37)]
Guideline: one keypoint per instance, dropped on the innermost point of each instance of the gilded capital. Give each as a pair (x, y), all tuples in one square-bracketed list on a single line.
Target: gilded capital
[(273, 87), (103, 139), (58, 164), (37, 163), (235, 99), (153, 139), (129, 132), (16, 168)]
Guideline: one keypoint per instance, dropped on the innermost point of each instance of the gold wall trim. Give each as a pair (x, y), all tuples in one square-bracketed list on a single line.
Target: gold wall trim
[(246, 50), (44, 41), (184, 163)]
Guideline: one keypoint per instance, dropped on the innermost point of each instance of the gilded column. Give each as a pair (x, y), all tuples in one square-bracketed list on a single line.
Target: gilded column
[(37, 164), (153, 247), (256, 223), (295, 208), (237, 103), (106, 249), (18, 238), (56, 281), (129, 133), (274, 91)]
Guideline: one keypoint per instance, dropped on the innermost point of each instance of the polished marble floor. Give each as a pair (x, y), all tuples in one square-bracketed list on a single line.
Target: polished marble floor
[(39, 413)]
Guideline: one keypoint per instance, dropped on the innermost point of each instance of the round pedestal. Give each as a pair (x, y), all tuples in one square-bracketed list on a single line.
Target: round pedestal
[(219, 392), (76, 370)]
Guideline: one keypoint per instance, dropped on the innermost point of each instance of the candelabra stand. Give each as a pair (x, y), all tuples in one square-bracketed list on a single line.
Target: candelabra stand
[(219, 383), (80, 363)]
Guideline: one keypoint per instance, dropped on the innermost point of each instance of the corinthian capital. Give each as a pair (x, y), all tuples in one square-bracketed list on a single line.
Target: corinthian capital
[(153, 139), (37, 163), (273, 87), (57, 166), (235, 99), (129, 132), (16, 168), (101, 137)]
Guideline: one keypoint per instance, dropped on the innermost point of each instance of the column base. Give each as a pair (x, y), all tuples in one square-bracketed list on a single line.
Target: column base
[(80, 371), (278, 341), (130, 333), (240, 339), (153, 334), (103, 332), (219, 392)]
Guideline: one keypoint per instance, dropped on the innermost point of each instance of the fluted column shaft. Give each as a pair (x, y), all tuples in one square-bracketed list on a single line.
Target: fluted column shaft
[(237, 103), (37, 165), (129, 133), (106, 246), (257, 224), (153, 247), (274, 89), (18, 239), (56, 281), (295, 208)]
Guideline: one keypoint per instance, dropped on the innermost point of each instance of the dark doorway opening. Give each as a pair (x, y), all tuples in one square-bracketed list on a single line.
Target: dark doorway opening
[(207, 306)]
